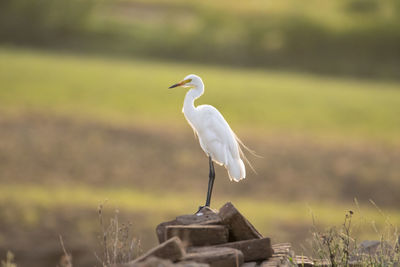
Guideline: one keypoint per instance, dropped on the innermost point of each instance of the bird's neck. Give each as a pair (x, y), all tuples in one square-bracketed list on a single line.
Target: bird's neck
[(188, 104)]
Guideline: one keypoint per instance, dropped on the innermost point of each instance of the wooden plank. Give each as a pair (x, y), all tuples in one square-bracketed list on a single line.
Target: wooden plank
[(157, 262), (239, 227), (282, 248), (205, 216), (303, 261), (253, 250), (217, 257), (160, 230), (198, 235), (151, 261), (272, 262), (172, 249), (188, 264), (250, 264)]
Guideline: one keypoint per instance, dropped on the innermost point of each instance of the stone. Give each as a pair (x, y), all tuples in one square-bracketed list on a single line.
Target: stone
[(198, 235), (373, 247), (239, 227)]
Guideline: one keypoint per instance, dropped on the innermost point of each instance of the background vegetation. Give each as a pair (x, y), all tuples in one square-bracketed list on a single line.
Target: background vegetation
[(85, 117), (348, 37)]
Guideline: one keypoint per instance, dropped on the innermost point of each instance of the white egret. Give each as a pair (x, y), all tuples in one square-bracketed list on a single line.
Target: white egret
[(216, 138)]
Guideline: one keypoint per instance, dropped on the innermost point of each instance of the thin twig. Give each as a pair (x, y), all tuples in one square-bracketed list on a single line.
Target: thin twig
[(67, 256)]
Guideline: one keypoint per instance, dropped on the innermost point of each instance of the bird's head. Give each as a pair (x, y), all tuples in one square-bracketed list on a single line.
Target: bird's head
[(190, 81)]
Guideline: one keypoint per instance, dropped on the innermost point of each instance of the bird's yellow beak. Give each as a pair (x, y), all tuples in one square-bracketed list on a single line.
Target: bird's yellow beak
[(180, 84)]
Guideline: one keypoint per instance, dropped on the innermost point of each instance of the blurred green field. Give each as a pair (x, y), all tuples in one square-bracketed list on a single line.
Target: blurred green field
[(134, 91)]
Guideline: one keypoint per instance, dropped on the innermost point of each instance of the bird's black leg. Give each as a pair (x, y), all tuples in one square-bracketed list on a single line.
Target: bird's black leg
[(211, 178), (210, 182)]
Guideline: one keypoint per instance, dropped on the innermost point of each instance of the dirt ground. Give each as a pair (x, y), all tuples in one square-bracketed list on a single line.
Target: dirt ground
[(45, 149)]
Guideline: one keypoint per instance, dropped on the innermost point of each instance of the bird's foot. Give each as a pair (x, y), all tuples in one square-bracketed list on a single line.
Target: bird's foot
[(200, 208)]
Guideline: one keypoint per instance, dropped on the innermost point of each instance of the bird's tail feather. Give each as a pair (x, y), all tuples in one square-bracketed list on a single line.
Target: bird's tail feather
[(252, 152), (236, 170)]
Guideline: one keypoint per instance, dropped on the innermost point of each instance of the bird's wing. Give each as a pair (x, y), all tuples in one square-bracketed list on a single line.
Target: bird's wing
[(216, 128), (216, 123)]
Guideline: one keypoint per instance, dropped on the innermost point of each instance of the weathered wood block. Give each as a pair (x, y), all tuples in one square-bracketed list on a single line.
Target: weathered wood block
[(198, 235), (190, 264), (253, 250), (160, 230), (157, 262), (217, 257), (205, 216), (172, 249), (250, 264), (150, 262), (239, 227), (272, 262)]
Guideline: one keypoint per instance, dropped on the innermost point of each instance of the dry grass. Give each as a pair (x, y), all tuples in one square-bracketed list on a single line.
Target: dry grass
[(9, 261), (340, 246), (117, 241), (66, 258)]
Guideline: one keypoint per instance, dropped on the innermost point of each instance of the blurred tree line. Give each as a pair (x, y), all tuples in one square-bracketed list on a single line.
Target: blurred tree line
[(42, 21), (362, 38)]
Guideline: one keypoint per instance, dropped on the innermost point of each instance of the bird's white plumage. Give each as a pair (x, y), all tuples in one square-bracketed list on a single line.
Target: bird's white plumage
[(215, 136)]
